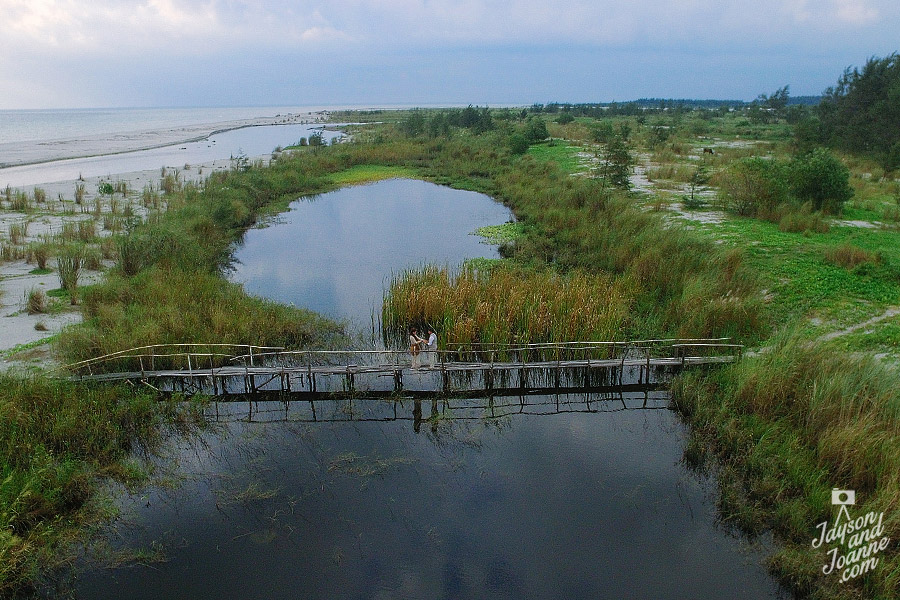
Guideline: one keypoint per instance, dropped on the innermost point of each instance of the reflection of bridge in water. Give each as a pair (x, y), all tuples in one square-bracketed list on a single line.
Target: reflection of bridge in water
[(431, 412), (475, 370)]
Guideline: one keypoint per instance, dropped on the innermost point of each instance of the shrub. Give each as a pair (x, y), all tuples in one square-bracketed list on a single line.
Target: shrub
[(753, 187), (819, 177), (518, 144)]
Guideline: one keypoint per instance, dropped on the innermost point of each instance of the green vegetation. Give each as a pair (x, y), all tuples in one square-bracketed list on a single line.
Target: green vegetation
[(56, 440), (860, 113), (788, 426), (773, 266)]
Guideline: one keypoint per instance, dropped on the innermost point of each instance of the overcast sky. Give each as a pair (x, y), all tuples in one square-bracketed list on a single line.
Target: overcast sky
[(99, 53)]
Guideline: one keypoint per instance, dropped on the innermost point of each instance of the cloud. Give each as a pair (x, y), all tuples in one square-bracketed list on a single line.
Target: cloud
[(269, 42), (855, 12)]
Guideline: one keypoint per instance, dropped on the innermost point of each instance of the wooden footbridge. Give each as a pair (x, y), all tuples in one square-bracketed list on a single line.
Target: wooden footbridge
[(479, 369)]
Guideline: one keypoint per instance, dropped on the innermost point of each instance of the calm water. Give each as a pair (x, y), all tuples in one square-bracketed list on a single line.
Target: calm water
[(541, 497), (544, 505), (333, 253)]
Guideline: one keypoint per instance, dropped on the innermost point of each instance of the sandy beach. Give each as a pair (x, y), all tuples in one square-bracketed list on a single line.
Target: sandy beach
[(21, 332), (42, 151)]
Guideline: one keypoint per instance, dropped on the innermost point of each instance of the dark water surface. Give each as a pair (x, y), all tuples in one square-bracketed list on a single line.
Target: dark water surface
[(543, 497), (542, 505), (333, 253)]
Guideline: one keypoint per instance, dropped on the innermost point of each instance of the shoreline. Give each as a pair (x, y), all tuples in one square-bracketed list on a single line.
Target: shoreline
[(113, 144)]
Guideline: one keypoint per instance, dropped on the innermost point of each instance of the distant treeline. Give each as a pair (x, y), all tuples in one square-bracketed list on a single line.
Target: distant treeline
[(643, 105)]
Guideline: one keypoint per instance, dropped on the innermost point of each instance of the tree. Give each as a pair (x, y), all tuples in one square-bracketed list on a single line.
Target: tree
[(414, 123), (617, 163), (860, 114), (699, 178)]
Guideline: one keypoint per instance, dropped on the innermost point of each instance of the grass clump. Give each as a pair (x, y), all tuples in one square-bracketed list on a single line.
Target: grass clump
[(849, 256), (37, 301), (68, 266), (18, 232)]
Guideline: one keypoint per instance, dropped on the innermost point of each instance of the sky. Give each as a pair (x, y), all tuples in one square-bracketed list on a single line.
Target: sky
[(112, 53)]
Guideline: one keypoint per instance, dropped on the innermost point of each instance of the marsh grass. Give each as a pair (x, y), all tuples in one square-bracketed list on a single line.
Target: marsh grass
[(40, 196), (20, 202), (18, 232), (79, 193), (68, 266), (37, 301), (57, 440), (40, 253), (505, 305), (791, 424)]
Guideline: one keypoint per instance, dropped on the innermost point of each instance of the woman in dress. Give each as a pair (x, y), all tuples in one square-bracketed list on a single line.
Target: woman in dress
[(415, 346)]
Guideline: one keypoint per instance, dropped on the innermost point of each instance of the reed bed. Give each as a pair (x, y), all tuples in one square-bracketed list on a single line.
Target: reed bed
[(503, 305)]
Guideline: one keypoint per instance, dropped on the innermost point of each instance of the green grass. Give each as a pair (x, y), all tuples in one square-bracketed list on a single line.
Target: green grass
[(800, 279), (370, 173), (561, 153), (500, 234)]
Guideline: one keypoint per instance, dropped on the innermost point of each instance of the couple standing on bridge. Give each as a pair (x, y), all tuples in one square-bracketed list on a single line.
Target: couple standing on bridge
[(418, 345)]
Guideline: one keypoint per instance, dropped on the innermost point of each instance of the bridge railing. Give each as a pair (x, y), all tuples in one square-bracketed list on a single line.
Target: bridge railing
[(161, 357), (197, 357)]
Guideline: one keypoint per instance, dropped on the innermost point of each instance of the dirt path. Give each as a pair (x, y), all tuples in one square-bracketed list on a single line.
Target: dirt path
[(891, 312)]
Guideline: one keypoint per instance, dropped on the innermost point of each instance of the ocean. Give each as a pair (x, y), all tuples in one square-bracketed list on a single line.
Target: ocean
[(38, 147), (37, 126)]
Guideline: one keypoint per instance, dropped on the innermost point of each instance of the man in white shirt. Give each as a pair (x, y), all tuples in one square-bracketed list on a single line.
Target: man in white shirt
[(431, 348)]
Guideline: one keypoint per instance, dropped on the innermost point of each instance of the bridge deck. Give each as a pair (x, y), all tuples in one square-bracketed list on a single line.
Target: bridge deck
[(282, 374)]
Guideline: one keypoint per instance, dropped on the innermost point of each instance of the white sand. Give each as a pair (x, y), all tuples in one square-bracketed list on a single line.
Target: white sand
[(25, 153)]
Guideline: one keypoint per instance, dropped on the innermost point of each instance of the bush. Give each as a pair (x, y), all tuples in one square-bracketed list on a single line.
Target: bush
[(518, 144), (536, 130), (819, 177), (753, 187)]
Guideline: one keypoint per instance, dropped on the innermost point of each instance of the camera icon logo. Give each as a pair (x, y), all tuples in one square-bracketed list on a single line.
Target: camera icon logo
[(843, 497)]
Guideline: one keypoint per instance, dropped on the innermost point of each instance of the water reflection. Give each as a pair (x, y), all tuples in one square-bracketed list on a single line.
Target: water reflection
[(572, 504), (332, 253)]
